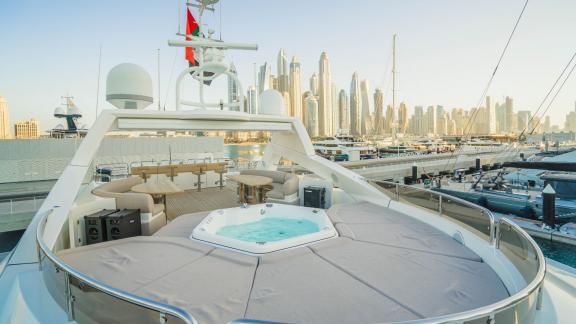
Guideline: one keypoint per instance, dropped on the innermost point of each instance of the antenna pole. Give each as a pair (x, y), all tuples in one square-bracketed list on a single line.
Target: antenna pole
[(394, 88), (98, 83), (159, 80), (179, 16)]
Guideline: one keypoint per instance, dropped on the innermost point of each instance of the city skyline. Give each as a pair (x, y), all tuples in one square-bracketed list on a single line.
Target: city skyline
[(364, 113), (437, 66)]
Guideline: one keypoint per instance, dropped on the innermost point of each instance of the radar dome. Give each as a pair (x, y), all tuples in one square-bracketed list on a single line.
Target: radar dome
[(129, 86), (271, 103), (59, 111)]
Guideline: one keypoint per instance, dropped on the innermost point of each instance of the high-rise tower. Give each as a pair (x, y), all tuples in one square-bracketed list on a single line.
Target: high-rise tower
[(355, 108), (366, 121), (335, 108), (378, 110), (490, 116), (325, 97), (233, 95), (264, 78), (4, 119), (252, 100), (295, 89), (344, 110), (312, 114), (314, 84), (283, 77)]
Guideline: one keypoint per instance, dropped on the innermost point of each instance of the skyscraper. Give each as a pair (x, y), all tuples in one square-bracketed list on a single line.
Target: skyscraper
[(314, 84), (335, 108), (510, 122), (28, 129), (4, 119), (264, 78), (490, 116), (389, 120), (524, 121), (325, 97), (431, 117), (366, 121), (344, 110), (287, 104), (304, 108), (283, 77), (355, 108), (312, 113), (402, 118), (418, 123), (252, 100), (233, 95), (378, 111), (295, 89)]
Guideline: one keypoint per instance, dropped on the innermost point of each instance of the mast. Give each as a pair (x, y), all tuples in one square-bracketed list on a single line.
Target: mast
[(394, 114)]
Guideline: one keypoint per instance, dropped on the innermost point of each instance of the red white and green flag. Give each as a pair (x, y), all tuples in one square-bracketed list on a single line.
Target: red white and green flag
[(193, 29)]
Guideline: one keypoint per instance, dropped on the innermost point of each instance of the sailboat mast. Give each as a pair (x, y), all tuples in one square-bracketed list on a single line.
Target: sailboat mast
[(394, 117)]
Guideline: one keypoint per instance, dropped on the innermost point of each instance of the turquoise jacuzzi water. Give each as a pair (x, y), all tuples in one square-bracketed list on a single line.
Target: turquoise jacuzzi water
[(269, 229)]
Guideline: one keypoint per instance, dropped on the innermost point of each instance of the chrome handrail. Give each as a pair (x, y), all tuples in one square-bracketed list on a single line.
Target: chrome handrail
[(489, 311), (162, 309), (442, 195)]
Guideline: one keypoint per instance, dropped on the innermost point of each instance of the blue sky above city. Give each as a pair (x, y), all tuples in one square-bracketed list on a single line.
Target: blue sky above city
[(446, 49)]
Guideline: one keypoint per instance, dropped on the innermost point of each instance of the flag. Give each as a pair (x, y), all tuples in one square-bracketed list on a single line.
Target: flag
[(193, 29)]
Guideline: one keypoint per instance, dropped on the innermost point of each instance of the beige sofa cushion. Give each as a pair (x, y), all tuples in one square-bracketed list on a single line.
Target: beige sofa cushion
[(119, 190), (276, 176), (284, 184)]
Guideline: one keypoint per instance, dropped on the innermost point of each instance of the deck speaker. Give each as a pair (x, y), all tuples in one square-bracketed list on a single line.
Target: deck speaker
[(95, 226), (123, 224), (315, 197)]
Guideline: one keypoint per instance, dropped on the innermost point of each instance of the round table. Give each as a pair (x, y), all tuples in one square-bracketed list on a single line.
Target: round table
[(250, 184), (158, 188)]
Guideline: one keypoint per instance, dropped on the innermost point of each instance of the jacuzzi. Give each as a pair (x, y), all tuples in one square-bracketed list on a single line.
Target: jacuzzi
[(264, 228)]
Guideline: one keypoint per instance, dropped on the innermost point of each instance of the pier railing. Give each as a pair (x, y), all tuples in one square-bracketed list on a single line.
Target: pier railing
[(87, 300), (504, 236)]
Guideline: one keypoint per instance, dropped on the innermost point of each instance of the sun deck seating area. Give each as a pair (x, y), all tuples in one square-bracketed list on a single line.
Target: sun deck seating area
[(384, 267)]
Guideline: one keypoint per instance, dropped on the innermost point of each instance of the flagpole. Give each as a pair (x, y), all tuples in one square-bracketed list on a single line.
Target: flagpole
[(98, 83), (159, 80)]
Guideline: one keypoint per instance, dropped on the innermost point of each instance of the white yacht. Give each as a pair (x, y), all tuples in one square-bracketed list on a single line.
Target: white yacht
[(345, 147), (327, 246)]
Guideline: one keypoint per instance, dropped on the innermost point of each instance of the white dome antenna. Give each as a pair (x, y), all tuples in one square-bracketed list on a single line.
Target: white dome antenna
[(129, 86), (271, 103)]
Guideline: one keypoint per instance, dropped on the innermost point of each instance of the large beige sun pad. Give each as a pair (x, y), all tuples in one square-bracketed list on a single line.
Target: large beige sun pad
[(385, 267)]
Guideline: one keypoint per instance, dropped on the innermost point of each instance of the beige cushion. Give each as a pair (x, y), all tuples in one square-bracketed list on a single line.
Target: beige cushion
[(120, 190), (277, 191), (119, 186), (276, 176), (158, 208)]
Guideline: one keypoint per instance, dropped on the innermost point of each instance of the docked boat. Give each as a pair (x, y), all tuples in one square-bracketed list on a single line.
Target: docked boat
[(199, 243), (343, 147)]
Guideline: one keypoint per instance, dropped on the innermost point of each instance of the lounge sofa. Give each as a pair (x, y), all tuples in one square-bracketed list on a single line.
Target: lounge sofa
[(284, 188), (152, 215)]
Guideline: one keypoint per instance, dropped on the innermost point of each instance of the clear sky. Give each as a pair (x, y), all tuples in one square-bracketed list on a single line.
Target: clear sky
[(446, 49)]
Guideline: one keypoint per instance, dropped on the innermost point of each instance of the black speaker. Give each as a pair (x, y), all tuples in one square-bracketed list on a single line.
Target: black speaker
[(123, 223), (95, 226), (314, 197)]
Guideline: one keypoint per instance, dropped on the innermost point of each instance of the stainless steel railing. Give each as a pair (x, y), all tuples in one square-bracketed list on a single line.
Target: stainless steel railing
[(81, 295), (475, 218), (11, 206), (503, 235)]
